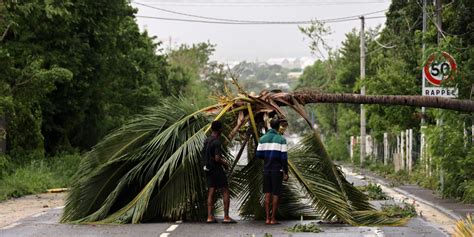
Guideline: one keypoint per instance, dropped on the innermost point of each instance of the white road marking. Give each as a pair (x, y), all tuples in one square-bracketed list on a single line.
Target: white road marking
[(38, 214), (10, 226), (378, 232), (372, 232), (172, 227)]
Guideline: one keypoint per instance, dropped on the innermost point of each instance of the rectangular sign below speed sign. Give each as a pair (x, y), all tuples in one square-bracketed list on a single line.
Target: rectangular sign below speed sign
[(440, 91), (435, 71)]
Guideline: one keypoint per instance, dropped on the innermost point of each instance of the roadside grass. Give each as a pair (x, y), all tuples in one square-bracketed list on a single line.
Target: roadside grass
[(37, 176)]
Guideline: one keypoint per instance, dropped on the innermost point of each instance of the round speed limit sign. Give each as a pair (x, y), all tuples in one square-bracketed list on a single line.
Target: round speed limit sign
[(437, 71)]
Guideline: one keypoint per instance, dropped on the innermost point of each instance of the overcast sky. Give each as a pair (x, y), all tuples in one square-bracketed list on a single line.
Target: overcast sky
[(252, 42)]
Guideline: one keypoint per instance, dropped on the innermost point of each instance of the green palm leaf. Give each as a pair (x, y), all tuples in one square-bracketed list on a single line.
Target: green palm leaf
[(330, 193), (150, 170), (165, 160)]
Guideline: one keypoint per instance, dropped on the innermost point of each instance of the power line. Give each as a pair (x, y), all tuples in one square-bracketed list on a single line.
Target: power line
[(246, 21), (264, 2), (260, 4), (250, 23)]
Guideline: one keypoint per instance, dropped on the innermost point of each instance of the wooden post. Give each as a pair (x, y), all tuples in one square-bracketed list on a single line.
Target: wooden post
[(410, 150), (351, 149), (385, 148), (402, 150), (376, 149), (423, 160)]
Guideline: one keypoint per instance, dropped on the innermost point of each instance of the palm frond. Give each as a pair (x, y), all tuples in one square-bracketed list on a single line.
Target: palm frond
[(165, 157), (150, 169), (330, 193)]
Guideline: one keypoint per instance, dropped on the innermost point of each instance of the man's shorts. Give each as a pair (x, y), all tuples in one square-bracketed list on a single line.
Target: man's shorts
[(272, 182), (216, 178)]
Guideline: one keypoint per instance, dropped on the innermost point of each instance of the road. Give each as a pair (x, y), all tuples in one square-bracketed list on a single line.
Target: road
[(46, 224)]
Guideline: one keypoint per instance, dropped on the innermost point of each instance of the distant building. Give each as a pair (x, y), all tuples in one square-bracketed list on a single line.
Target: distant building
[(283, 86), (291, 63), (294, 75)]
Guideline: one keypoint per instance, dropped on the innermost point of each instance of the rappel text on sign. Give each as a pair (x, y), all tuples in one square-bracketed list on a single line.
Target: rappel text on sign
[(437, 91)]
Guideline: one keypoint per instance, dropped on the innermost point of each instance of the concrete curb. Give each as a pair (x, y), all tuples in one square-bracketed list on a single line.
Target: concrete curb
[(443, 210)]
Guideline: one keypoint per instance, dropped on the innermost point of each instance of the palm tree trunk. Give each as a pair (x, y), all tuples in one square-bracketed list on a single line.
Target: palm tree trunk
[(309, 96)]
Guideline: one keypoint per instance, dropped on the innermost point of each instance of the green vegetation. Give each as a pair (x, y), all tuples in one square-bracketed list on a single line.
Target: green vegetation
[(132, 175), (396, 70), (373, 191), (72, 71), (464, 227), (38, 176), (464, 192), (304, 228), (400, 210)]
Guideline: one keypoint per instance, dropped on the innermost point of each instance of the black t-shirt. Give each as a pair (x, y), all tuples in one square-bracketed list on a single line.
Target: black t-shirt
[(214, 147)]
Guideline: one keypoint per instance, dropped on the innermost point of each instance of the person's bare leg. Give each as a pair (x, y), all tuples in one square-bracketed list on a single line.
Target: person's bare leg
[(210, 203), (268, 196), (226, 197), (276, 199)]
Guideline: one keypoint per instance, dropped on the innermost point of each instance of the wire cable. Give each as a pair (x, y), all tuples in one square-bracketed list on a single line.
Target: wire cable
[(246, 21), (262, 4), (251, 23)]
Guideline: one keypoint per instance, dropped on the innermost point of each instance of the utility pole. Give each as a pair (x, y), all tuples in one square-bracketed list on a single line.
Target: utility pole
[(440, 121), (423, 73), (438, 19), (423, 157), (362, 92)]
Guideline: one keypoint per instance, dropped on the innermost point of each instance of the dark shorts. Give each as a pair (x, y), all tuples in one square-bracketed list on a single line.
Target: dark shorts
[(216, 178), (272, 182)]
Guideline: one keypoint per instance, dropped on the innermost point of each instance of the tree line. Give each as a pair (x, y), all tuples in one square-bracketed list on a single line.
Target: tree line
[(394, 61), (72, 71)]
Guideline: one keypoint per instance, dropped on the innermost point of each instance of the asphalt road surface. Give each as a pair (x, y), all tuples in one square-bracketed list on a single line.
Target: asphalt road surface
[(46, 224)]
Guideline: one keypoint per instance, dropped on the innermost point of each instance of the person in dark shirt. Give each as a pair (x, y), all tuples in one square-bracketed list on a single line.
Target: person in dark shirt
[(216, 177), (272, 148)]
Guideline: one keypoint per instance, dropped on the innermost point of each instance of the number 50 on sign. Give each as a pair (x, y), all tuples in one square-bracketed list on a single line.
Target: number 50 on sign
[(437, 71)]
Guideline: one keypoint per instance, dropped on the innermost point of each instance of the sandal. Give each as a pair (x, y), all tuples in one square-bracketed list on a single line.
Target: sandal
[(231, 221), (212, 222)]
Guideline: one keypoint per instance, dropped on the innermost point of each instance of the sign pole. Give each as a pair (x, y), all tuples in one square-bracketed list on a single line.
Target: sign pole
[(422, 73), (423, 156), (362, 92)]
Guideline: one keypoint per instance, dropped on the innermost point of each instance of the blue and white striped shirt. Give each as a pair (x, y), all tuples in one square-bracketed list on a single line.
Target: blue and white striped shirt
[(273, 148)]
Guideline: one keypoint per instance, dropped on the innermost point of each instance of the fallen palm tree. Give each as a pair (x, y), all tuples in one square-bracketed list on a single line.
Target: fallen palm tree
[(150, 169)]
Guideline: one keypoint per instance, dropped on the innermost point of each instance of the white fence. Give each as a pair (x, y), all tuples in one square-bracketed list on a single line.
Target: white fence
[(401, 149)]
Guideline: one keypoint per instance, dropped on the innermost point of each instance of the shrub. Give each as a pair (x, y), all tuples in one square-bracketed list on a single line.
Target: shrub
[(399, 211), (468, 191), (38, 176), (304, 228), (373, 191), (5, 165)]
